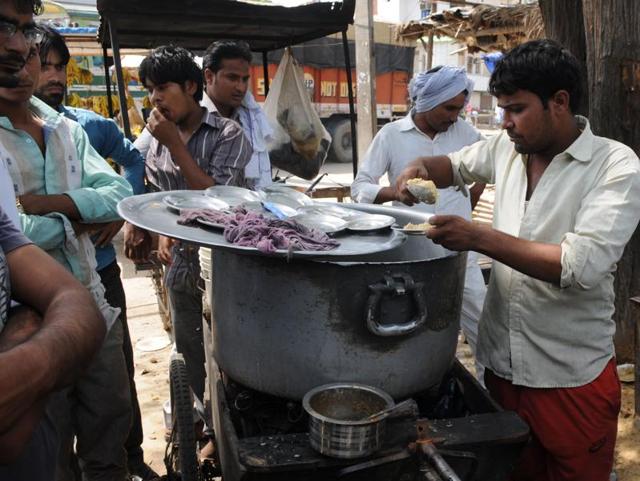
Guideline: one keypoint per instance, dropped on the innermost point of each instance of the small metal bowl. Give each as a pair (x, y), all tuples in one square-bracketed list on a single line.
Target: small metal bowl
[(339, 424), (370, 223), (328, 224)]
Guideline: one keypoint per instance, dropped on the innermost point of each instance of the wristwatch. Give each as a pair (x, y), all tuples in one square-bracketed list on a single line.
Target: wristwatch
[(19, 205)]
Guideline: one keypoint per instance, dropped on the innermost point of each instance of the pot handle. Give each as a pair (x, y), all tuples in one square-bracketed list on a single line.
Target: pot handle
[(395, 285)]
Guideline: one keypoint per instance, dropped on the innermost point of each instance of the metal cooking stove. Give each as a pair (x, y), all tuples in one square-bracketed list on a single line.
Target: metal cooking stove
[(261, 437)]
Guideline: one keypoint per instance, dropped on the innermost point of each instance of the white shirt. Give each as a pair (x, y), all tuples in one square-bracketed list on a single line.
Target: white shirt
[(587, 201), (397, 144), (400, 142)]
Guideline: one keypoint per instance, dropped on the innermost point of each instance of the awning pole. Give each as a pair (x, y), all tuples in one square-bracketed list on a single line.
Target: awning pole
[(115, 46), (265, 72), (107, 79), (352, 110)]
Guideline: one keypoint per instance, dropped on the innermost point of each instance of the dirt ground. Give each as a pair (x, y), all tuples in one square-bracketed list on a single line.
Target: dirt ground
[(153, 386)]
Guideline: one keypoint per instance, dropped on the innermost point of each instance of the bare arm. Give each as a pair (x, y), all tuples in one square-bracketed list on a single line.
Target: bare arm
[(536, 259), (34, 204), (72, 331), (476, 191)]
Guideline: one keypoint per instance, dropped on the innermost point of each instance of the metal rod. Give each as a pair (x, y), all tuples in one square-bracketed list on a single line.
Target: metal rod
[(107, 80), (115, 46), (265, 72), (352, 110)]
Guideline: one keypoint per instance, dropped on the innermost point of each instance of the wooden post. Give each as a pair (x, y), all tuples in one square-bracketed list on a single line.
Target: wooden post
[(431, 36), (366, 75)]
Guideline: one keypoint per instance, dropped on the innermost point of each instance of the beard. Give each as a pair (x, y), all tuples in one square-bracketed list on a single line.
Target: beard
[(52, 99)]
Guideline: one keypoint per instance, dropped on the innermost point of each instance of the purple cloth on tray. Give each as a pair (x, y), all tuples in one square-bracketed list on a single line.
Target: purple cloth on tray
[(252, 229)]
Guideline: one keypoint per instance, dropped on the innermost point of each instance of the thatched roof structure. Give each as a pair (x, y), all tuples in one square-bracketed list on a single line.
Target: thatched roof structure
[(483, 28)]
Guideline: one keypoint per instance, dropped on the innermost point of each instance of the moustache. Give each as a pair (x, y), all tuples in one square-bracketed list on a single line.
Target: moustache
[(54, 84), (13, 60)]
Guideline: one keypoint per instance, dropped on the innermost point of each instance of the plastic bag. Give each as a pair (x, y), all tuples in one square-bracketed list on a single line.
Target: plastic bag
[(300, 142)]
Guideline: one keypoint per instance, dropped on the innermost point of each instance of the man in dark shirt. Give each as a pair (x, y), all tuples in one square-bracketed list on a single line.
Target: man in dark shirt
[(41, 350), (191, 149)]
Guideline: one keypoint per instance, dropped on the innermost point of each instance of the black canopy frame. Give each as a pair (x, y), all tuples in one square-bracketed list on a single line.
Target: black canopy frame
[(194, 24)]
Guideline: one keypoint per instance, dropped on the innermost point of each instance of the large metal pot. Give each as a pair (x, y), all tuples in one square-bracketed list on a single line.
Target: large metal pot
[(388, 320)]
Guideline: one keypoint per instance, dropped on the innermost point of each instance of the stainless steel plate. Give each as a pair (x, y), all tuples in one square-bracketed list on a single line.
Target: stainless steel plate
[(330, 209), (233, 195), (280, 194), (371, 222), (409, 231), (192, 199), (328, 224), (149, 212)]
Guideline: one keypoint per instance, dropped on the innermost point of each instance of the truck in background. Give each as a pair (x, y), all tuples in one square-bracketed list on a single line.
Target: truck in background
[(326, 79)]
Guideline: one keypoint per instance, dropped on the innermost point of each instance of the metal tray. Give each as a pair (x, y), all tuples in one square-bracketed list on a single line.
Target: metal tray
[(233, 195), (329, 224), (191, 199), (371, 222), (149, 212)]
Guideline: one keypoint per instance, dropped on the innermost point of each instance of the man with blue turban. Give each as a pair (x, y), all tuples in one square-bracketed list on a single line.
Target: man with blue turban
[(432, 127)]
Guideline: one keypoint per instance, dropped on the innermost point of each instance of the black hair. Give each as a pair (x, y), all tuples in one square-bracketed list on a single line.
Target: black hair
[(225, 49), (542, 67), (29, 6), (171, 64), (52, 40)]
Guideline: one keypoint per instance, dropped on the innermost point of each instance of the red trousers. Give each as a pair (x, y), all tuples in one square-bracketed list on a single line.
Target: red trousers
[(573, 429)]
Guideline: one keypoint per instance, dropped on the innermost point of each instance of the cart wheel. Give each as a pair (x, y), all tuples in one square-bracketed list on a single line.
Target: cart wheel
[(182, 414)]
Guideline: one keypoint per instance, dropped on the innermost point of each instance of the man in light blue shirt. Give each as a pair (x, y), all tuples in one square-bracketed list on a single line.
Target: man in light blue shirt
[(107, 139)]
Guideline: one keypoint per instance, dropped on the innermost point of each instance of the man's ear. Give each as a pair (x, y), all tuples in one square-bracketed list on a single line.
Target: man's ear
[(560, 102), (209, 76), (190, 87)]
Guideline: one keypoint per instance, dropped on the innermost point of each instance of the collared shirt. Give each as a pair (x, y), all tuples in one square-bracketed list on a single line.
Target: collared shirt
[(96, 198), (221, 150), (255, 125), (218, 146), (107, 139), (532, 332), (400, 142)]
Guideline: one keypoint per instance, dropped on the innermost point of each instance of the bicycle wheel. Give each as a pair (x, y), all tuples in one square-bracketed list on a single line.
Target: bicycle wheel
[(182, 415)]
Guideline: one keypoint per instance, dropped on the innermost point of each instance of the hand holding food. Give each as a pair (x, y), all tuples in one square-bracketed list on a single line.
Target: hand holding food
[(423, 190)]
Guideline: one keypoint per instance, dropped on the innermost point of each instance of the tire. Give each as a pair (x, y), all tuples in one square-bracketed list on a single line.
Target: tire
[(340, 151), (182, 414)]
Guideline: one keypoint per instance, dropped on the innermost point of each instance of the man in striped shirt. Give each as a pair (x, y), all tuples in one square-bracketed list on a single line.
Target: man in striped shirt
[(191, 149)]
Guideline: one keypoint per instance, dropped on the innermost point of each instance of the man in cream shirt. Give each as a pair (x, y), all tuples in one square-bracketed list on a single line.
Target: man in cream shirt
[(433, 127), (567, 202)]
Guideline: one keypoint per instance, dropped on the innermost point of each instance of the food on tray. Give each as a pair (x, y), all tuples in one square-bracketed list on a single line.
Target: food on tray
[(252, 229), (421, 227), (423, 190)]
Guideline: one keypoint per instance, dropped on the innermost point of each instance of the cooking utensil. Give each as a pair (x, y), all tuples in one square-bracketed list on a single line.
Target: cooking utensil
[(338, 419), (348, 420), (408, 407), (371, 222), (232, 195), (328, 224), (189, 199)]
